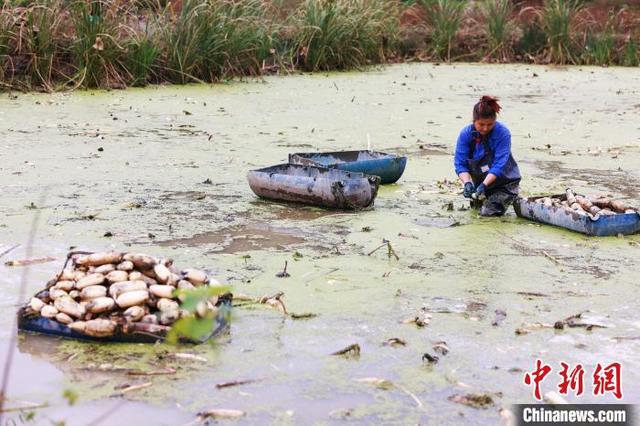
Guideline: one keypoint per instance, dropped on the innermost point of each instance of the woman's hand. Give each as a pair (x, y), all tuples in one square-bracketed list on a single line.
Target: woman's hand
[(468, 190), (479, 194)]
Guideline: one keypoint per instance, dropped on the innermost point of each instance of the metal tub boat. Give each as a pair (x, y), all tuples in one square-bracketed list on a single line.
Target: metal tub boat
[(319, 186), (621, 223), (388, 167)]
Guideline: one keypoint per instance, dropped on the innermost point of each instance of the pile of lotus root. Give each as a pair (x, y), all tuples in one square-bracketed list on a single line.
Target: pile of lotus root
[(102, 294), (594, 207)]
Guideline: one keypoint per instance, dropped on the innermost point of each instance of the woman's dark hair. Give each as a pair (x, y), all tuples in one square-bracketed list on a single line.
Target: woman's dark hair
[(487, 107)]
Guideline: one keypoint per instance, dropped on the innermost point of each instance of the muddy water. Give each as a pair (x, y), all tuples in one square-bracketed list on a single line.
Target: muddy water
[(162, 170)]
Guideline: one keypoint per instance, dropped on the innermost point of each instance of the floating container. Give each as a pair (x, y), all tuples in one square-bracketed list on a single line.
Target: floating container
[(318, 186), (621, 223), (388, 167)]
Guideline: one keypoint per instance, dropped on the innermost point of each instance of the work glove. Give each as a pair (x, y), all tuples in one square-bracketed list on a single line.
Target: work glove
[(480, 192), (468, 189)]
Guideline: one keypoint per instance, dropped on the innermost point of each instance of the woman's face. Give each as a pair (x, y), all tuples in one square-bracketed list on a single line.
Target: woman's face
[(484, 125)]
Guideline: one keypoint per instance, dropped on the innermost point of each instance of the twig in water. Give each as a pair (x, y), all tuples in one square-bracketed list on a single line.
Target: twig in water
[(353, 350), (376, 249), (284, 273), (10, 249), (394, 341), (275, 301), (131, 388), (27, 262), (556, 261), (190, 357), (525, 248), (264, 299), (412, 395), (235, 383), (32, 406), (390, 250), (152, 373), (305, 315)]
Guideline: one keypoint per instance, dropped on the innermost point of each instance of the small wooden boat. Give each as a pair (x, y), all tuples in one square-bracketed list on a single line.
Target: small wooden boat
[(38, 324), (388, 167), (621, 223), (319, 186)]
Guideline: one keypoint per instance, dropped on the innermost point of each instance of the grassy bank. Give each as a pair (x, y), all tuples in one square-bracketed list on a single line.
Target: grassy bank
[(60, 45)]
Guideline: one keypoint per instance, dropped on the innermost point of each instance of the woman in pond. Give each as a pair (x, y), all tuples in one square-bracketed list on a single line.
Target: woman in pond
[(483, 160)]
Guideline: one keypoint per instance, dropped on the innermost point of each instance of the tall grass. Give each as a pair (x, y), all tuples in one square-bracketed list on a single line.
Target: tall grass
[(38, 49), (96, 50), (630, 56), (443, 19), (557, 17), (499, 27), (209, 41), (342, 34), (599, 48), (532, 41), (57, 44), (6, 35), (140, 59)]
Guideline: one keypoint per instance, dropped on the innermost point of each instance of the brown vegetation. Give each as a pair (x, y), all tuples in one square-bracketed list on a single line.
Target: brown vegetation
[(58, 44)]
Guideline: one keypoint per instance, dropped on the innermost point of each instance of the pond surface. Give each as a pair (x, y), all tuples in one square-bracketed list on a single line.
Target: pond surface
[(163, 171)]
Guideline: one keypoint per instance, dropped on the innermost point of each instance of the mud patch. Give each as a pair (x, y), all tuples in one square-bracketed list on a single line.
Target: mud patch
[(422, 149), (194, 196), (243, 238), (437, 222), (617, 181), (292, 212)]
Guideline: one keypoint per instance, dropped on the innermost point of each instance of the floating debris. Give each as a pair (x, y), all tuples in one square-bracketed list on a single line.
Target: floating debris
[(431, 359), (10, 249), (532, 294), (27, 262), (187, 356), (377, 382), (350, 351), (390, 250), (283, 273), (130, 388), (165, 371), (475, 400), (441, 347), (421, 319), (394, 341), (623, 338), (576, 321), (500, 316), (274, 301), (236, 383), (528, 327), (220, 413), (306, 315)]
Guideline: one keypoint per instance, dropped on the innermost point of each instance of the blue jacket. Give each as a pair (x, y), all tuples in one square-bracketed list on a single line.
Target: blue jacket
[(500, 144)]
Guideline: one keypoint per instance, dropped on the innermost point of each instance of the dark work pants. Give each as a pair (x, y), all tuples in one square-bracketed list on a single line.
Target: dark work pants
[(498, 201)]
